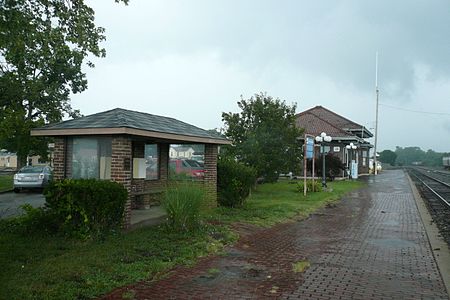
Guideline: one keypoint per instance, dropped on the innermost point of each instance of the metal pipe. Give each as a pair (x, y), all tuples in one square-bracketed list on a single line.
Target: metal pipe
[(324, 180), (376, 117)]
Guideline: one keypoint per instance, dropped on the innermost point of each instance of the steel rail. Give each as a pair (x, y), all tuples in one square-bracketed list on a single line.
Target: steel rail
[(431, 189), (445, 173)]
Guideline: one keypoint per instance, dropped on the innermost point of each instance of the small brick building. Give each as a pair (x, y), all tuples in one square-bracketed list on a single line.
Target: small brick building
[(343, 131), (128, 147)]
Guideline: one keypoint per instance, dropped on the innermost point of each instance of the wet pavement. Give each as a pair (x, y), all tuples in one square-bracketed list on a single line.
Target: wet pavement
[(371, 245), (10, 202)]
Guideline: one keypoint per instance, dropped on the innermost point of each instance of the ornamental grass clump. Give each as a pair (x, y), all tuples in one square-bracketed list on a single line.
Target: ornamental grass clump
[(309, 186), (182, 203)]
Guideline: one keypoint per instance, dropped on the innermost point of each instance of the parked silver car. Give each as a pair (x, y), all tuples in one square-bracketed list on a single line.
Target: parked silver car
[(32, 177)]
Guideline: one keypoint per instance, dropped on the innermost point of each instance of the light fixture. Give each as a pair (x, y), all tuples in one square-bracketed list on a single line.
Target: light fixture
[(322, 139)]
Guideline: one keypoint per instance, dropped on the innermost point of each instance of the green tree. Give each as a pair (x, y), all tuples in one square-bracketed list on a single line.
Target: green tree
[(388, 157), (264, 135), (409, 155), (433, 159), (43, 45)]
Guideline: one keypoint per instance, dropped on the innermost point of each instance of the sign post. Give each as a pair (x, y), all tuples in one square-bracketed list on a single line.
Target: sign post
[(309, 153)]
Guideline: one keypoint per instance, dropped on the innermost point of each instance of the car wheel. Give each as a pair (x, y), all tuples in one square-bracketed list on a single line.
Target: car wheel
[(16, 190)]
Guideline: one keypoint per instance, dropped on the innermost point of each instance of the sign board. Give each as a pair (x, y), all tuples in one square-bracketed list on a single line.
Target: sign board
[(309, 147), (354, 170), (336, 149)]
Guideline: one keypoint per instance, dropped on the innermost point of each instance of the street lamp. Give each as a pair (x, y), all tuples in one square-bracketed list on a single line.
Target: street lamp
[(322, 139), (350, 147)]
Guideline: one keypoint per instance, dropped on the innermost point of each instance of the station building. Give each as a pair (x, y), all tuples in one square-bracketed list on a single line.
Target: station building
[(343, 131)]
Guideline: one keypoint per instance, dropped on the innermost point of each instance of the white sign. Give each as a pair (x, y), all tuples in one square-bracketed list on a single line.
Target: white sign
[(139, 168), (354, 168), (337, 149)]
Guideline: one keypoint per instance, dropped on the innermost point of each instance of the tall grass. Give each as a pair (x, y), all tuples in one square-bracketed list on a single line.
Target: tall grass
[(182, 203)]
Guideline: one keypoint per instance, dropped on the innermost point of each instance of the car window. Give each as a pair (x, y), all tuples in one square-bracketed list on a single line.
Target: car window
[(31, 169), (193, 163)]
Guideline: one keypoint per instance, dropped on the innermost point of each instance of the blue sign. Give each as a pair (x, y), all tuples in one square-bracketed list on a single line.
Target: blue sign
[(309, 147)]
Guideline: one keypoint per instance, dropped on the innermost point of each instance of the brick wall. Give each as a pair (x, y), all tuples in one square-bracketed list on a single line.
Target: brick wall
[(59, 158), (210, 181), (121, 168), (69, 156)]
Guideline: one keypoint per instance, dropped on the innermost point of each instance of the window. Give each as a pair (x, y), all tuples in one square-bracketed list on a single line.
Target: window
[(151, 162), (91, 158), (186, 161)]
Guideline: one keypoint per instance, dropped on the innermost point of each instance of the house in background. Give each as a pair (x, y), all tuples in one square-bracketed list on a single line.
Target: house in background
[(180, 151), (7, 159), (131, 148), (343, 131)]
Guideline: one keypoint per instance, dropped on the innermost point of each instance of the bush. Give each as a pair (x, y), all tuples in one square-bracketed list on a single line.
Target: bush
[(309, 186), (86, 207), (34, 220), (182, 203), (234, 181)]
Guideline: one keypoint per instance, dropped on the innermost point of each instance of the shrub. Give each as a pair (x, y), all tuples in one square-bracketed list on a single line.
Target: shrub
[(182, 203), (33, 220), (234, 181), (309, 186), (86, 207)]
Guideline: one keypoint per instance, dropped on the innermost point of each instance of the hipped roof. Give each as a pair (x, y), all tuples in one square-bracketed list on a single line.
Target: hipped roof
[(319, 119), (123, 121)]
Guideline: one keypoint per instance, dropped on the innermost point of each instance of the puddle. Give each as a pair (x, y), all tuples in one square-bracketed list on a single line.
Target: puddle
[(250, 272), (391, 223), (394, 243)]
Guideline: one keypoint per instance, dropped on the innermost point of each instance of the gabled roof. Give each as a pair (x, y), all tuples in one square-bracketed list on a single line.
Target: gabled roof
[(319, 119), (123, 121)]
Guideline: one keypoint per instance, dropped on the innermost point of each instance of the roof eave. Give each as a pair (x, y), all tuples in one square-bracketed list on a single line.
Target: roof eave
[(128, 131)]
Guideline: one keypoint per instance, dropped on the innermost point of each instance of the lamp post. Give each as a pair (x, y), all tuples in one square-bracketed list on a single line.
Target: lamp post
[(350, 147), (322, 139)]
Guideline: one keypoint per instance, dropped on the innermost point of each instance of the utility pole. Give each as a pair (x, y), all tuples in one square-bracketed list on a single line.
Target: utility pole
[(377, 92)]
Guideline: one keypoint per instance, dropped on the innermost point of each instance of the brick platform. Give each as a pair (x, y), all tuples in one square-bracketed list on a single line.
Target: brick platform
[(372, 245)]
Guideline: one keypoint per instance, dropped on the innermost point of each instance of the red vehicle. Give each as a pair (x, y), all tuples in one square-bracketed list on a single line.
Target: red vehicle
[(187, 166)]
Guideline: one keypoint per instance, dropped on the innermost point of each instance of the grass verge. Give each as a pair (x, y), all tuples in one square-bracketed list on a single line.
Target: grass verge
[(49, 267), (6, 182), (276, 202), (54, 267)]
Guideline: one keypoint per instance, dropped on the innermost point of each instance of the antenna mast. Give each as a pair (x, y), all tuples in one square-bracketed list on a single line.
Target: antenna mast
[(377, 92)]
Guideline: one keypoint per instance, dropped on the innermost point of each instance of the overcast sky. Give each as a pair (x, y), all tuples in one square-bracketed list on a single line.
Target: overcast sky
[(192, 60)]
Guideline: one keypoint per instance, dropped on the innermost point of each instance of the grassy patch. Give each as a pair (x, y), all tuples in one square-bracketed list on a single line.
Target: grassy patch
[(54, 267), (6, 182), (300, 266), (275, 202), (48, 267)]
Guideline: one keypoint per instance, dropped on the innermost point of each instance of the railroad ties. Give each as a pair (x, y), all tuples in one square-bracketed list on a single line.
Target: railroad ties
[(434, 185)]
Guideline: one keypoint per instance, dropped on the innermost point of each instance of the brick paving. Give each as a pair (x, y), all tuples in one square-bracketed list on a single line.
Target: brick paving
[(372, 245)]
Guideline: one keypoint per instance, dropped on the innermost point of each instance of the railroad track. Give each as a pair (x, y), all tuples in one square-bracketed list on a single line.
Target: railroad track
[(439, 174), (435, 190)]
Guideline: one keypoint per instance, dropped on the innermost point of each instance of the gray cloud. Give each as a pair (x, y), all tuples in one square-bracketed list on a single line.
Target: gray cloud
[(168, 57)]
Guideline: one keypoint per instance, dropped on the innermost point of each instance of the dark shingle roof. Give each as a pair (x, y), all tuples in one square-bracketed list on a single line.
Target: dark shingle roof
[(119, 118), (319, 119), (332, 117), (314, 125)]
